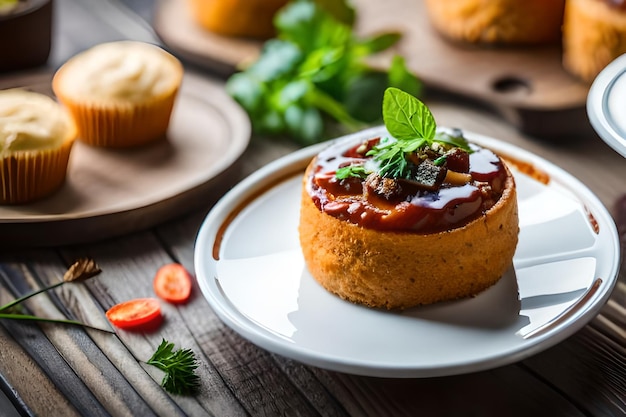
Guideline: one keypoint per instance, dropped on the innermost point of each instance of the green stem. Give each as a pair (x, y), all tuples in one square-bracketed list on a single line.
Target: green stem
[(333, 108), (27, 296), (28, 317)]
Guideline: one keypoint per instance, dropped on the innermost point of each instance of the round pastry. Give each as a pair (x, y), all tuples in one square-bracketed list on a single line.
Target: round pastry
[(594, 34), (396, 223), (497, 21), (245, 18), (36, 138), (120, 94)]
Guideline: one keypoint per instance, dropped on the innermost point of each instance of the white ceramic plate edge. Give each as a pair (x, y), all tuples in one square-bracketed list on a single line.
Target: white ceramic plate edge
[(598, 108)]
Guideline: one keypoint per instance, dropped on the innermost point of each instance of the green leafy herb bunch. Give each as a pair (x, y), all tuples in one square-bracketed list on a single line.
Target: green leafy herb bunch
[(315, 72)]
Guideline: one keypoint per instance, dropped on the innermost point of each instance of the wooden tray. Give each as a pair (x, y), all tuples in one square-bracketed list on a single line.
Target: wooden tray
[(526, 85), (111, 192)]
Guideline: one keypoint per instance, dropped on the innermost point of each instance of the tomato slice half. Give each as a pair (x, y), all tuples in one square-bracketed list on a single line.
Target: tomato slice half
[(172, 283), (134, 313)]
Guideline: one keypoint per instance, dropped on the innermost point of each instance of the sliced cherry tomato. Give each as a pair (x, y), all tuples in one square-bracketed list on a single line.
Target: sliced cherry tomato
[(172, 283), (135, 313)]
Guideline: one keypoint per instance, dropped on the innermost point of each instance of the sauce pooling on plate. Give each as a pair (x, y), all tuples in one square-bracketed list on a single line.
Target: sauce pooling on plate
[(376, 202)]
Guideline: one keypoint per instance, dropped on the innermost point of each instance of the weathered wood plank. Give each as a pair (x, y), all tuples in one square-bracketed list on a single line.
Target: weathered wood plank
[(54, 366), (88, 363), (133, 278), (22, 373), (506, 391), (589, 368)]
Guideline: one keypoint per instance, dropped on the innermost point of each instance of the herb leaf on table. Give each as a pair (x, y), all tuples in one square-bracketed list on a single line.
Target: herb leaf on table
[(179, 367)]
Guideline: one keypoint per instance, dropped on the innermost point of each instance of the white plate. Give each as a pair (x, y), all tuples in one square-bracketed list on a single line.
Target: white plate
[(250, 269), (605, 104)]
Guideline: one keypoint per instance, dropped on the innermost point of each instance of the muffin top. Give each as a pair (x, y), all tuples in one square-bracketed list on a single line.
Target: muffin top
[(120, 71), (32, 121)]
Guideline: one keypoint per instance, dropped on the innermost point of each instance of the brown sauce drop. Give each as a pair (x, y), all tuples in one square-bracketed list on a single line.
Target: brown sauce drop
[(528, 169), (592, 220)]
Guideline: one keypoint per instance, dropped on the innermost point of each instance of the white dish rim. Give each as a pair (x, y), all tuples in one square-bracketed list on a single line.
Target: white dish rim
[(295, 161)]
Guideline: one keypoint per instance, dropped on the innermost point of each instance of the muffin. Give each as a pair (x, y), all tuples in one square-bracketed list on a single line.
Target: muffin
[(411, 219), (497, 21), (120, 94), (36, 138), (242, 18), (397, 246), (594, 34)]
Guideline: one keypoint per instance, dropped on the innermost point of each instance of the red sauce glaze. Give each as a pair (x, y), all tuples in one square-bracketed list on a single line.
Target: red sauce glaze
[(414, 210)]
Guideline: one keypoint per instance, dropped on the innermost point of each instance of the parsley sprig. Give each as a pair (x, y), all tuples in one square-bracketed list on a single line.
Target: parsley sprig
[(348, 171), (179, 367)]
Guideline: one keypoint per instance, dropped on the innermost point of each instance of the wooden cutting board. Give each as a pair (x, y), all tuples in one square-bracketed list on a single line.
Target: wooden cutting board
[(526, 85)]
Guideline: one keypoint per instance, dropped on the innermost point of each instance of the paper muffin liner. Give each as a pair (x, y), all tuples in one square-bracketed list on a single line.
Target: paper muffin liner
[(119, 125), (27, 176)]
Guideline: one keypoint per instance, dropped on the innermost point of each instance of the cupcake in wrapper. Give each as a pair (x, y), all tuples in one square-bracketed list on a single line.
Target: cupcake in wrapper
[(36, 138), (120, 94)]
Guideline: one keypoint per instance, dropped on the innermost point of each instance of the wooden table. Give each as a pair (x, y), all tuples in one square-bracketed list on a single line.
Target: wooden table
[(56, 370)]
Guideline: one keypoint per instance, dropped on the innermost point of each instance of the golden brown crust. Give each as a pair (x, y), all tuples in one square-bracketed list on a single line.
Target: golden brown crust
[(399, 270), (594, 34), (498, 21)]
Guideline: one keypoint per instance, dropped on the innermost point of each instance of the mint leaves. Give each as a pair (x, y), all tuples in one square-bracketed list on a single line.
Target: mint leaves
[(406, 118), (413, 128)]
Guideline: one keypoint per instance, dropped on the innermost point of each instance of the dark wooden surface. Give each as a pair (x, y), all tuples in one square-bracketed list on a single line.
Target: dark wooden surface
[(53, 370)]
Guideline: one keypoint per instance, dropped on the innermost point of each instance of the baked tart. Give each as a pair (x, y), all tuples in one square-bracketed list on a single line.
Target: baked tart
[(418, 217)]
